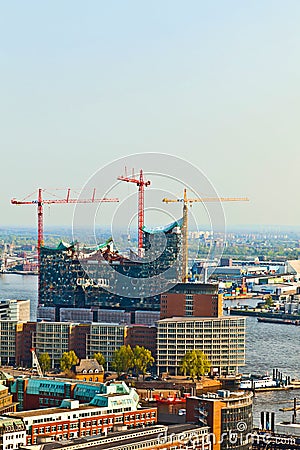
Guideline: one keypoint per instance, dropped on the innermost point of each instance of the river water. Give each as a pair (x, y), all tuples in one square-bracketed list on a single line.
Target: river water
[(268, 346)]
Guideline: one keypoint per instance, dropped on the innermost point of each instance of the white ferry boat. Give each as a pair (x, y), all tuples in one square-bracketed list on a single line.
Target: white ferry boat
[(264, 382)]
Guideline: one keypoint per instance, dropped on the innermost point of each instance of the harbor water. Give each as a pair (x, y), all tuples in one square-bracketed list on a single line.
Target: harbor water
[(268, 346)]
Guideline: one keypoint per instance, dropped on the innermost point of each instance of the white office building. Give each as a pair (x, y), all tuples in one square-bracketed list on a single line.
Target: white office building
[(17, 310), (222, 339)]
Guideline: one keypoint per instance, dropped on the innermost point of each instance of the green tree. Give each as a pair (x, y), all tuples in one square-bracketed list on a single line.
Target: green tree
[(142, 359), (195, 364), (68, 360), (45, 361), (269, 301), (99, 358), (123, 359)]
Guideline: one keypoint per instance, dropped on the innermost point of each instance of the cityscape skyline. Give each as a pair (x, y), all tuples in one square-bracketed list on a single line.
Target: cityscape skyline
[(150, 278)]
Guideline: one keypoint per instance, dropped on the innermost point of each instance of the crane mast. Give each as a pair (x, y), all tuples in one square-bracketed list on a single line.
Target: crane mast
[(141, 183), (189, 201)]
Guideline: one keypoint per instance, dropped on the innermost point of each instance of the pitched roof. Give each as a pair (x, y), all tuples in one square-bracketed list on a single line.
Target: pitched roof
[(88, 366)]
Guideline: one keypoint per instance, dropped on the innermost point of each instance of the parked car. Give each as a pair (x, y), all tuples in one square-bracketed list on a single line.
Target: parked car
[(123, 377)]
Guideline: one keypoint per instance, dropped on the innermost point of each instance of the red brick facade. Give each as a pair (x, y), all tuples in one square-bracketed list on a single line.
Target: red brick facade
[(91, 426), (197, 305), (142, 335)]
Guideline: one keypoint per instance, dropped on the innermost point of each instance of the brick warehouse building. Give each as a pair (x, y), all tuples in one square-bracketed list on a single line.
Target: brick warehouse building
[(142, 335), (116, 405), (158, 437), (36, 392), (191, 299), (55, 338)]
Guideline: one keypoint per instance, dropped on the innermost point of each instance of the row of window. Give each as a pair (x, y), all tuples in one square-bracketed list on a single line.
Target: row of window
[(10, 437)]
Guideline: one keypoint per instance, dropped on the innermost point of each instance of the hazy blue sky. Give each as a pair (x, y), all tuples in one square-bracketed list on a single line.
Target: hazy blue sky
[(215, 82)]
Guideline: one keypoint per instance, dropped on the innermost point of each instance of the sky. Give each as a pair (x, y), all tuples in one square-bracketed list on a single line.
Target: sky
[(214, 83)]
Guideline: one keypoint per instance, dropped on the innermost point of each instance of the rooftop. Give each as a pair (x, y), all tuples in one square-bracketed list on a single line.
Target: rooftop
[(48, 411), (56, 410), (195, 319), (126, 437), (86, 365), (224, 395)]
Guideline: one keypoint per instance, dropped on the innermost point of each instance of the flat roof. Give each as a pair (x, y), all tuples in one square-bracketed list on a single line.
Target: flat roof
[(46, 411), (75, 323), (129, 436), (57, 410), (196, 318)]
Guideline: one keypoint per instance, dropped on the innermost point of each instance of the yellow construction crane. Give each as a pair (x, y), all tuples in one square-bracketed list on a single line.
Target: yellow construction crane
[(189, 201)]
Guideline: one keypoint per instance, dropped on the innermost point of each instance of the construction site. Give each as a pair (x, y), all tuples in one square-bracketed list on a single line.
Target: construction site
[(63, 282), (75, 276)]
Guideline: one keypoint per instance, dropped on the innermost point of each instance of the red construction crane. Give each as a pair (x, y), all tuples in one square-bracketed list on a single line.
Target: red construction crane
[(40, 202), (141, 183)]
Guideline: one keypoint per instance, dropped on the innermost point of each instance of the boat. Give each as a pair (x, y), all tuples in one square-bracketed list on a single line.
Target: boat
[(258, 383), (282, 321)]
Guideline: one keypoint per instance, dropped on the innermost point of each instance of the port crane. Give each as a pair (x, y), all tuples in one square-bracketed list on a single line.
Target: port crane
[(186, 203), (40, 202), (141, 183)]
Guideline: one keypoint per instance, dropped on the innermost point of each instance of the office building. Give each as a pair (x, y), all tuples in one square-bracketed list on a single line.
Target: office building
[(191, 299), (79, 315), (222, 339), (142, 335), (104, 338), (111, 315), (8, 341), (52, 338), (117, 405), (15, 310), (146, 317), (229, 416)]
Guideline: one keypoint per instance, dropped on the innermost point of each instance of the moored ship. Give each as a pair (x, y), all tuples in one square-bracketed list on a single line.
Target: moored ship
[(258, 383)]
